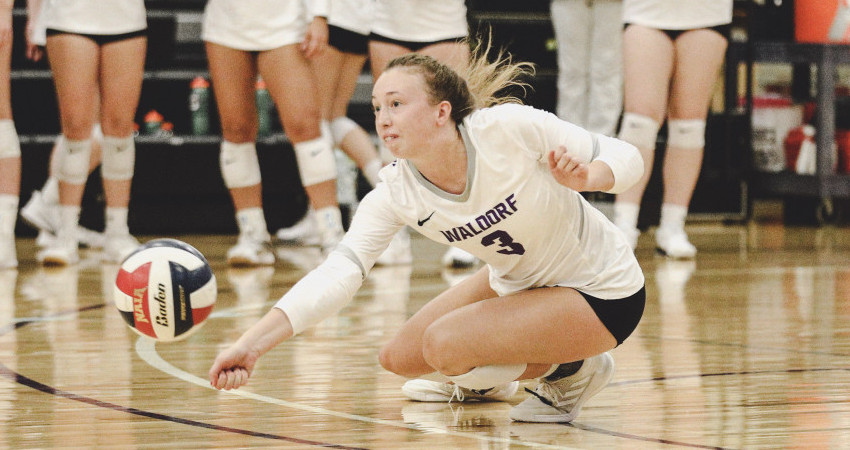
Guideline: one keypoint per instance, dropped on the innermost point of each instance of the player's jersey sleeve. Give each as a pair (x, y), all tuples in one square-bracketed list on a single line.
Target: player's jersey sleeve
[(331, 286), (539, 132)]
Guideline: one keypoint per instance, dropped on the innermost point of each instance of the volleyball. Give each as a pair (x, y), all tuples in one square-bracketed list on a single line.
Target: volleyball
[(165, 290)]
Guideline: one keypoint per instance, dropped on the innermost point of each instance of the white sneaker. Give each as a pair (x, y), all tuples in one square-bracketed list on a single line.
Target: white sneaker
[(86, 237), (303, 232), (434, 391), (631, 233), (250, 252), (398, 252), (60, 251), (41, 214), (8, 256), (674, 243), (561, 400), (455, 257), (117, 247)]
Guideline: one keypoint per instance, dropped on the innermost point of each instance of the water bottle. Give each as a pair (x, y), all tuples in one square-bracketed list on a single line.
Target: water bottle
[(264, 109), (153, 122), (199, 106)]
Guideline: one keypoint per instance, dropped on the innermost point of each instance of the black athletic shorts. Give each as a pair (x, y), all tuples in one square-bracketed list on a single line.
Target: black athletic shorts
[(723, 30), (412, 46), (101, 39), (620, 316), (348, 41)]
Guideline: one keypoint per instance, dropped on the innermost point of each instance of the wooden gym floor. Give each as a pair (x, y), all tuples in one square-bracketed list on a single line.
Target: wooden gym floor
[(746, 347)]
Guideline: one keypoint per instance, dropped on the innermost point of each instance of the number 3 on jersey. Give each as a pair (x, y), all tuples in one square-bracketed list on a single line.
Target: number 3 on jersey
[(505, 242)]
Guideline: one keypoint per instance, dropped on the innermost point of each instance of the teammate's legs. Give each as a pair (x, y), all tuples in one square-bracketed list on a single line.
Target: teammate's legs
[(647, 68), (121, 74), (699, 56), (234, 76), (292, 85), (572, 23), (605, 98), (74, 61)]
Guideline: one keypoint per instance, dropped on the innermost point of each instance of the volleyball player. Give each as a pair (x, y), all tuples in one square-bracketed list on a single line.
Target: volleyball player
[(560, 286), (42, 209), (672, 53), (436, 29), (337, 71), (275, 40), (96, 52)]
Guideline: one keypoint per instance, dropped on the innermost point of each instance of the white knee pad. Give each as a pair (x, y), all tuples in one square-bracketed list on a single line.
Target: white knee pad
[(73, 160), (686, 133), (239, 164), (639, 130), (119, 158), (316, 162), (10, 147), (486, 377), (340, 127)]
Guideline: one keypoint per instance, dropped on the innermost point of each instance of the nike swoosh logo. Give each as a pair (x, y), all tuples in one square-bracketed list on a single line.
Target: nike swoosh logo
[(315, 153), (422, 222)]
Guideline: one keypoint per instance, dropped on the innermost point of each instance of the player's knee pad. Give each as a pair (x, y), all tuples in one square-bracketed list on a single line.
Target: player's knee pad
[(119, 158), (73, 160), (340, 127), (10, 147), (239, 164), (639, 130), (686, 133), (316, 162)]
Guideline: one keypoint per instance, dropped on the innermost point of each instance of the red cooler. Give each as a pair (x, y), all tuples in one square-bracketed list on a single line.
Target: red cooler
[(822, 21)]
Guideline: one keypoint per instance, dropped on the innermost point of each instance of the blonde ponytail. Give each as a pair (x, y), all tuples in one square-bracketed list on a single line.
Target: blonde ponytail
[(482, 83), (491, 80)]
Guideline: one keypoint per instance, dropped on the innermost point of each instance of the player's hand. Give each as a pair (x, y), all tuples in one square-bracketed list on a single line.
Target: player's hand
[(232, 367), (567, 170), (316, 38)]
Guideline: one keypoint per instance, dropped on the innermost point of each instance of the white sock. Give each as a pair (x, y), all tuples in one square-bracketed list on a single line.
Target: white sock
[(69, 216), (116, 221), (329, 220), (673, 216), (626, 214), (50, 191), (8, 213), (252, 222)]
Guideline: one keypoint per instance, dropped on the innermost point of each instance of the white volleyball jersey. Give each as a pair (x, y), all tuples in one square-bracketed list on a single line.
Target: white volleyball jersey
[(95, 16), (256, 25), (677, 14), (352, 15), (513, 215), (530, 230), (420, 20)]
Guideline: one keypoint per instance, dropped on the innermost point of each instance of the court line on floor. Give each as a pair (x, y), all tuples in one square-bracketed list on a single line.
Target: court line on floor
[(146, 349)]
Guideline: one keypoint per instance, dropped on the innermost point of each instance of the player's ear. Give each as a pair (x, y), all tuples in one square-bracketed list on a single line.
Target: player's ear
[(444, 112)]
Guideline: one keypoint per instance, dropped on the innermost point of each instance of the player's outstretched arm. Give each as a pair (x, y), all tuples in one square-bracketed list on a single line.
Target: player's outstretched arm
[(234, 366)]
